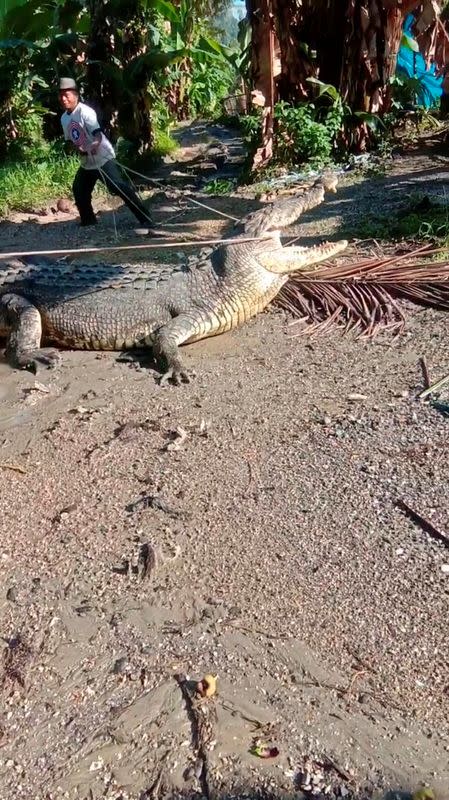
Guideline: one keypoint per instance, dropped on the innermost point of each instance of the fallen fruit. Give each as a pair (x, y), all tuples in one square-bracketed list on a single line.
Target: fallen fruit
[(208, 686), (264, 751)]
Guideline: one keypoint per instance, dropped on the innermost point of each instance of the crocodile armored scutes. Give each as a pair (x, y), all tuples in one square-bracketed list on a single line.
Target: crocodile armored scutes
[(113, 307)]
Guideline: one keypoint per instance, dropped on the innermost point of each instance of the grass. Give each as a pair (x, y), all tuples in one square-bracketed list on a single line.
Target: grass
[(33, 186), (219, 186), (421, 220)]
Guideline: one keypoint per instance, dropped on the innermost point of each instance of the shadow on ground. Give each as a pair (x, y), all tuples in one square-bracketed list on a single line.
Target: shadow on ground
[(266, 793)]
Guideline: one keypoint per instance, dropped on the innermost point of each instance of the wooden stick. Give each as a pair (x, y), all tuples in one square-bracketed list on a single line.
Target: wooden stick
[(423, 523), (425, 372)]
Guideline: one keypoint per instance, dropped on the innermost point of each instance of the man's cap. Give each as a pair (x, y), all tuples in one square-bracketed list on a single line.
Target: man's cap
[(67, 83)]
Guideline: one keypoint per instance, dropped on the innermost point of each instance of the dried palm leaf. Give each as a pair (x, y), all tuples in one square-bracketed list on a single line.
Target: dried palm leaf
[(365, 296)]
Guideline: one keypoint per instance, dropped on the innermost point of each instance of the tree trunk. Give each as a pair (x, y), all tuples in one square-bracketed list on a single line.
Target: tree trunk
[(134, 115), (352, 44), (262, 72)]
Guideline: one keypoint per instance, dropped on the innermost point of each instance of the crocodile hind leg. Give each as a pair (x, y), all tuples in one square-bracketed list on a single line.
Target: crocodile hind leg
[(166, 343), (23, 350)]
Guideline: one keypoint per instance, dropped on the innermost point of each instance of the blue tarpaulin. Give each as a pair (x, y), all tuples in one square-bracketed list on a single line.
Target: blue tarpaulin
[(412, 65)]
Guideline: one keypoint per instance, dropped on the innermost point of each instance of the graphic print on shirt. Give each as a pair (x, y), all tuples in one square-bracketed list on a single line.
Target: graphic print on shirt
[(77, 134)]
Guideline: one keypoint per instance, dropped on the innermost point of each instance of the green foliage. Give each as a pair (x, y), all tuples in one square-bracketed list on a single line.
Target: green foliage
[(407, 92), (301, 137), (198, 82), (251, 126), (30, 186), (209, 85), (220, 186), (159, 48), (21, 116), (314, 132)]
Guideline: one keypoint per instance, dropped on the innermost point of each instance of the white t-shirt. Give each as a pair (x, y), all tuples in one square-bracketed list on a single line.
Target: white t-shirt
[(79, 126)]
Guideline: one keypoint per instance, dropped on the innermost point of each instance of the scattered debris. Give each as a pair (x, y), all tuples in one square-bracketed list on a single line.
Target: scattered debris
[(148, 560), (156, 502), (179, 435), (14, 467), (32, 393), (15, 659), (87, 413), (426, 526), (123, 569), (127, 431), (120, 666), (202, 429), (37, 387), (63, 513), (338, 768), (315, 777)]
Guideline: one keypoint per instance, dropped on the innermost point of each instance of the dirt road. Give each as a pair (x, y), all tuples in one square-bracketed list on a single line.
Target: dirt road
[(264, 496)]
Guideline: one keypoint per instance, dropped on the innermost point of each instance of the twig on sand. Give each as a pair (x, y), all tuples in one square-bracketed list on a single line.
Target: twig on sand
[(343, 773), (356, 675), (14, 467), (425, 372), (423, 523), (343, 692), (202, 715), (152, 793)]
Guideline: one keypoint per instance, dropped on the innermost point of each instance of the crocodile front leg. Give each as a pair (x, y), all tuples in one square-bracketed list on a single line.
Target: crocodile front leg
[(23, 350), (166, 343)]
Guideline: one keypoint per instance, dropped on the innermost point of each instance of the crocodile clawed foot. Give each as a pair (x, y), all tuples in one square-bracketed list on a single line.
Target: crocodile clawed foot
[(176, 374), (32, 360)]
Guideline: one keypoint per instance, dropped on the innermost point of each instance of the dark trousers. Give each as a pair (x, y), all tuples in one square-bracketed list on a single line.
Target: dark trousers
[(112, 177)]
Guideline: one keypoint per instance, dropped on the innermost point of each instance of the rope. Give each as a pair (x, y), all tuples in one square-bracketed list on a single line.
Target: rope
[(196, 202), (153, 246), (108, 179)]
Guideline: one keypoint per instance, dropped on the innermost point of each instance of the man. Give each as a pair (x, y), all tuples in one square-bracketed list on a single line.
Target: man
[(81, 128)]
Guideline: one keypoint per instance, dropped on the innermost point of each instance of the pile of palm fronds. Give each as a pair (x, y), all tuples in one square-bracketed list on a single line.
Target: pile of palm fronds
[(365, 295)]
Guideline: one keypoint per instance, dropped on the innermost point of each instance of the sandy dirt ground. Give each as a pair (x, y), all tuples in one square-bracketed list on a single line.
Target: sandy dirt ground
[(245, 525)]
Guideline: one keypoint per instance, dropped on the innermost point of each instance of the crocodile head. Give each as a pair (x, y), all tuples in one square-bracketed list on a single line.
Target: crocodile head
[(285, 260)]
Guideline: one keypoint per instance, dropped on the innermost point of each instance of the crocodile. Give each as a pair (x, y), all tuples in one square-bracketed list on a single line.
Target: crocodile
[(113, 307)]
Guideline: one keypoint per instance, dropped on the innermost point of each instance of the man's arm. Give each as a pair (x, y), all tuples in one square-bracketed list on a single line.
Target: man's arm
[(93, 149), (92, 125)]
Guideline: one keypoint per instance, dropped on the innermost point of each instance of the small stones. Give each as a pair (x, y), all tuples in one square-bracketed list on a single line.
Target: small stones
[(120, 666), (356, 397), (11, 594)]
